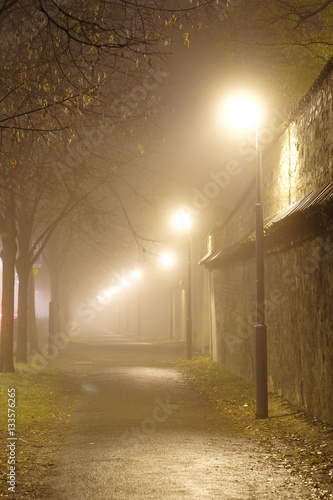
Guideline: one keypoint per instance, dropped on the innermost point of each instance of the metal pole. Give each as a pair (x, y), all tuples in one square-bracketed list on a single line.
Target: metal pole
[(139, 310), (127, 313), (51, 327), (260, 327), (189, 300), (171, 313)]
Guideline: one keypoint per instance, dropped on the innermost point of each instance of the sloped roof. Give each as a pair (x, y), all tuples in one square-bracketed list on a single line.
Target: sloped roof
[(304, 219)]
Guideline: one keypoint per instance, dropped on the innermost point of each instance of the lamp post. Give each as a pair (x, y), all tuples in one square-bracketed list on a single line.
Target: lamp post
[(245, 111), (260, 327), (189, 296), (168, 261), (139, 311), (184, 219), (137, 275)]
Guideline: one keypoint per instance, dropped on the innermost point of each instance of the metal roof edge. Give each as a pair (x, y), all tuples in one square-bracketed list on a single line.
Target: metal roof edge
[(313, 203)]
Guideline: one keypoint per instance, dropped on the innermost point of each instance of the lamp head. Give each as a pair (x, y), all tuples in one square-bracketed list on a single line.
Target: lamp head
[(242, 110), (182, 219), (167, 260)]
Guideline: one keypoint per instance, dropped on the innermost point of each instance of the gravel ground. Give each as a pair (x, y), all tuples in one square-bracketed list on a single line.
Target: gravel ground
[(140, 432)]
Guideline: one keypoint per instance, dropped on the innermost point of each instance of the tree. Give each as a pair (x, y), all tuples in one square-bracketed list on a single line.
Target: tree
[(46, 197), (8, 254), (281, 46), (57, 65), (42, 203), (79, 51)]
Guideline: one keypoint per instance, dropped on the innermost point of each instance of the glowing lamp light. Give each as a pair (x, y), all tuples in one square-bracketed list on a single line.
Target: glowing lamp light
[(182, 219), (167, 260), (242, 111), (105, 295)]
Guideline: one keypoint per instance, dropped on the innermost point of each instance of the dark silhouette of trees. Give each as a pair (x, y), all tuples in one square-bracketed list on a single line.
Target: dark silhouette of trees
[(282, 44), (58, 63)]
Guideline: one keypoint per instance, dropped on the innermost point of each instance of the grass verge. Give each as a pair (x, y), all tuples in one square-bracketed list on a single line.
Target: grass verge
[(43, 401), (226, 391)]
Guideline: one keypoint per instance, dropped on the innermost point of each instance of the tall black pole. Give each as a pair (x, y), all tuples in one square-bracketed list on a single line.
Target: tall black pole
[(139, 310), (260, 327), (171, 313), (189, 299), (51, 327)]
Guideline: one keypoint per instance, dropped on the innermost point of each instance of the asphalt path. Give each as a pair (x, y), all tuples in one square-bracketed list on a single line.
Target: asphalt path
[(139, 432)]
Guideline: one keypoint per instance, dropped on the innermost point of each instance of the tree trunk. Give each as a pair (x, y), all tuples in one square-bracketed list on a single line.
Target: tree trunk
[(8, 255), (55, 298), (22, 311), (32, 323), (64, 307), (54, 269)]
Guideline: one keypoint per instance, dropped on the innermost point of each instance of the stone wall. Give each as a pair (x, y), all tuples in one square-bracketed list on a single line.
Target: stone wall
[(302, 158), (299, 278), (300, 325)]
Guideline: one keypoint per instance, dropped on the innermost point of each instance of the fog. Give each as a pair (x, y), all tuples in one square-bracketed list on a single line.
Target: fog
[(189, 159)]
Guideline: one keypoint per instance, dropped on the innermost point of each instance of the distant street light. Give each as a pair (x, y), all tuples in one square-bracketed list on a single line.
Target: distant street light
[(137, 274), (167, 260), (244, 112), (183, 219)]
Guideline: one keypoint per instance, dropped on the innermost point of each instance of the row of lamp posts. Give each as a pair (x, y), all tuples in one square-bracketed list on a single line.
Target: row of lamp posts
[(242, 112)]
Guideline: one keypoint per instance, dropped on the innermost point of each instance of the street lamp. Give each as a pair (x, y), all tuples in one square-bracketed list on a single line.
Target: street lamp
[(184, 219), (168, 261), (244, 112), (137, 274)]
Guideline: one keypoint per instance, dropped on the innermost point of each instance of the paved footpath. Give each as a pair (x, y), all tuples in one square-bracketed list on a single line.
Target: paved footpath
[(138, 432)]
